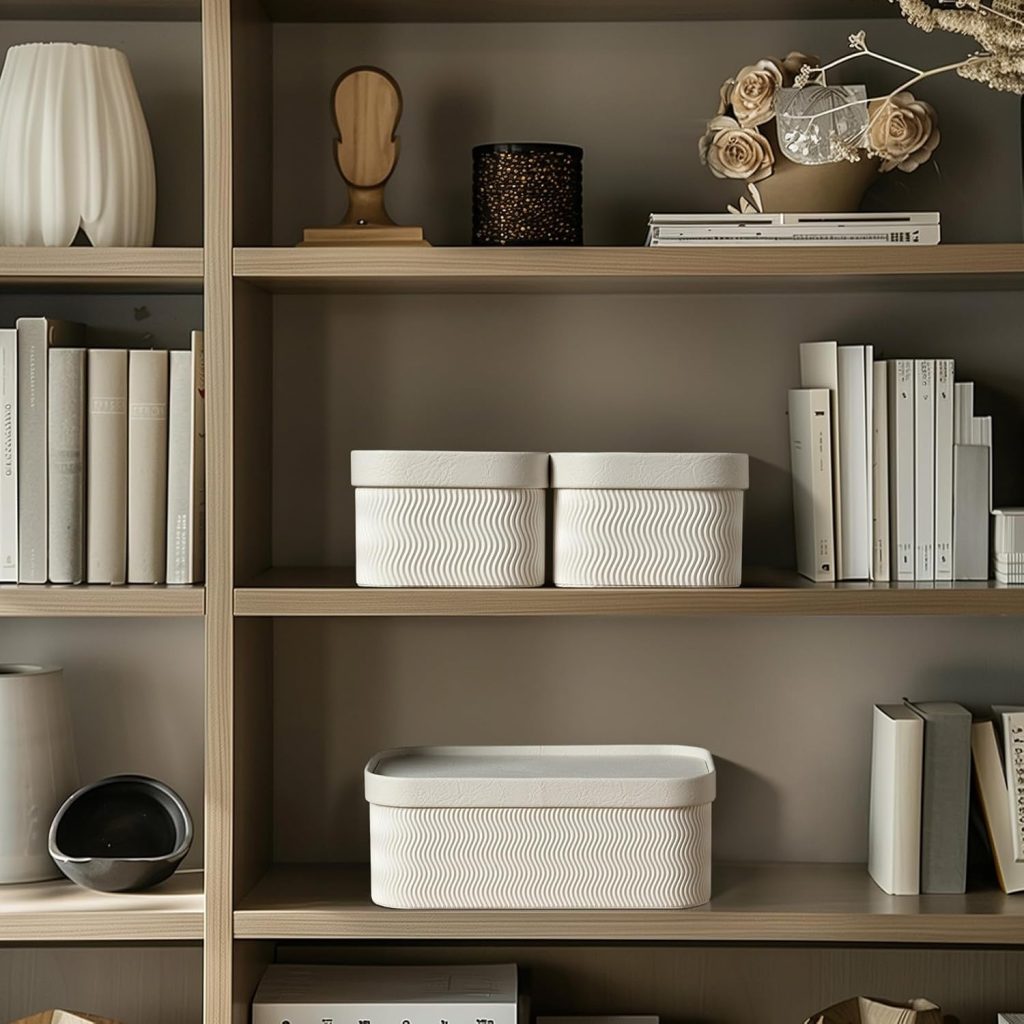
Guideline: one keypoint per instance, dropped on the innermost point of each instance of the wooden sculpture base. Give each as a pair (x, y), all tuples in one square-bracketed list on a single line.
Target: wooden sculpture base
[(364, 234)]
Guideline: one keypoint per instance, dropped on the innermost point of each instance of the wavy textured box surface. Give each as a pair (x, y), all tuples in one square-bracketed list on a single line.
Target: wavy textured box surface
[(449, 537), (504, 858), (648, 538)]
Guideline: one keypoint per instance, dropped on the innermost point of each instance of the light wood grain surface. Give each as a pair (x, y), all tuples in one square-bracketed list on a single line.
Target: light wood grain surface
[(326, 592), (750, 903), (569, 10), (61, 911), (84, 268), (55, 601), (630, 268)]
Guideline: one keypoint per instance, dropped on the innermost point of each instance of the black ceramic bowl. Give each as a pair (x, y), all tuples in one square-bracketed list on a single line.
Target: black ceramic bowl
[(121, 834)]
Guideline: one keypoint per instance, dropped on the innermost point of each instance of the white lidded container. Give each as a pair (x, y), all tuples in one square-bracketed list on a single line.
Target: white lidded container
[(658, 519), (516, 828), (449, 519)]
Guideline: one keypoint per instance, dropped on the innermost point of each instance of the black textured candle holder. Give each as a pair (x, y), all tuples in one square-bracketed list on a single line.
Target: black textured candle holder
[(527, 193)]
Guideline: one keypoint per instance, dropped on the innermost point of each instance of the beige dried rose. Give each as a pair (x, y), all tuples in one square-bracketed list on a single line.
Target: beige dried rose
[(903, 132), (732, 151), (753, 94)]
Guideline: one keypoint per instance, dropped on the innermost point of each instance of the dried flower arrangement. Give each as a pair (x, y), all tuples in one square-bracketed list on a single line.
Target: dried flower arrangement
[(895, 131)]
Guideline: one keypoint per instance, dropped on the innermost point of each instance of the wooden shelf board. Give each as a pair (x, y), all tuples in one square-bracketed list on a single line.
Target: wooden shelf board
[(631, 268), (61, 911), (332, 592), (53, 601), (570, 10), (101, 10), (751, 903), (101, 270)]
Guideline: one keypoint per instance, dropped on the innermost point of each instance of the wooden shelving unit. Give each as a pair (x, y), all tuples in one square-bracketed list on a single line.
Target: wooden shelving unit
[(600, 269), (332, 592), (269, 722), (63, 912), (751, 903), (101, 270)]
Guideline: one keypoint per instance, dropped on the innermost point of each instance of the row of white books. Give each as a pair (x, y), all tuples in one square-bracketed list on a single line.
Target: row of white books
[(921, 759), (891, 469), (102, 459), (772, 229)]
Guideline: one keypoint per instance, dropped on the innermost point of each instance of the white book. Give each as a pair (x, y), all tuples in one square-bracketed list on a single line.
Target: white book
[(944, 469), (990, 784), (66, 465), (811, 462), (963, 412), (894, 833), (1012, 719), (107, 477), (880, 537), (36, 335), (344, 994), (924, 469), (790, 235), (186, 465), (855, 460), (8, 455), (901, 468), (147, 467), (819, 368), (917, 217)]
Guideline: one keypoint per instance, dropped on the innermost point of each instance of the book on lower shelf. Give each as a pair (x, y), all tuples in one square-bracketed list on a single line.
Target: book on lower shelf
[(787, 229)]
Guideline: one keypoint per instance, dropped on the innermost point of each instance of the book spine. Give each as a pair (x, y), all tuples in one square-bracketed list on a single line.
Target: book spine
[(924, 469), (794, 235), (198, 496), (971, 488), (811, 461), (1013, 756), (853, 457), (8, 456), (381, 1013), (901, 467), (880, 536), (66, 459), (32, 450), (993, 797), (147, 467), (894, 858), (944, 469), (107, 477)]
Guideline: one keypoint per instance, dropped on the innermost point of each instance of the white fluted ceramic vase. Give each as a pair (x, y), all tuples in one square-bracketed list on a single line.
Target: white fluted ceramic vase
[(38, 770), (75, 151)]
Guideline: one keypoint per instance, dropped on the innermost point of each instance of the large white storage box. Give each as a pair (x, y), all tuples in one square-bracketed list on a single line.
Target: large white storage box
[(626, 519), (449, 519), (614, 827)]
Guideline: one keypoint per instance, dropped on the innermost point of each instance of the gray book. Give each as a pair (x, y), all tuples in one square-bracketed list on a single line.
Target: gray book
[(972, 489), (66, 458), (36, 335), (147, 467), (107, 479), (945, 796)]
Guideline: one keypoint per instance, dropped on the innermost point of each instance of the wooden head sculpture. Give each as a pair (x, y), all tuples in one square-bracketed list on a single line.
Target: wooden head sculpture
[(367, 105)]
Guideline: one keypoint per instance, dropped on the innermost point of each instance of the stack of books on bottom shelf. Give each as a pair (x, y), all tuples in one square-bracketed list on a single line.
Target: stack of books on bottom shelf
[(464, 994), (102, 459), (921, 760), (892, 471), (772, 229)]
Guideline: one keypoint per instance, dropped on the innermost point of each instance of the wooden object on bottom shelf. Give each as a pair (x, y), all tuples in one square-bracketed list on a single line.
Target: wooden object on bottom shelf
[(64, 1017), (861, 1010), (367, 106)]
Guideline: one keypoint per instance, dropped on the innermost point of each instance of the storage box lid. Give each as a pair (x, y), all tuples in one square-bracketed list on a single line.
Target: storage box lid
[(654, 471), (587, 776), (519, 470)]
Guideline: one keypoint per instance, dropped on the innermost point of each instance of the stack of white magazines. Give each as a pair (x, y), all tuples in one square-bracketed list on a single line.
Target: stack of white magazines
[(300, 994), (793, 229), (892, 471), (102, 459)]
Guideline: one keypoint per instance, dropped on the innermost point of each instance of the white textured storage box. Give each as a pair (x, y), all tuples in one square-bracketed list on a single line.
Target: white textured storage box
[(511, 828), (627, 519), (449, 519)]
